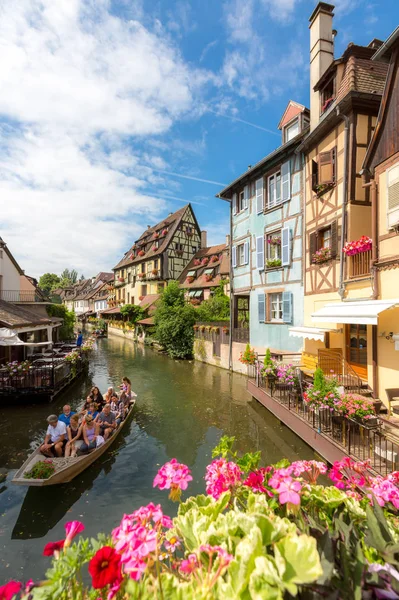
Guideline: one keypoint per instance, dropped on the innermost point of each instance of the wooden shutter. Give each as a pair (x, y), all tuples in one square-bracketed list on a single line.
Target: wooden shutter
[(260, 253), (246, 253), (334, 239), (287, 307), (285, 246), (234, 256), (235, 207), (286, 181), (315, 174), (261, 308), (312, 245), (246, 196), (393, 196), (326, 167), (259, 195)]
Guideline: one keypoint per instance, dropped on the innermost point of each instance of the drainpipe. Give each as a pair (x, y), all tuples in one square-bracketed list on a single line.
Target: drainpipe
[(231, 289), (341, 289)]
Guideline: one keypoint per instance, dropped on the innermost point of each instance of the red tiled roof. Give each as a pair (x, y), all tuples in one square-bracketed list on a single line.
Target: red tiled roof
[(12, 315), (111, 311), (148, 321), (149, 302), (200, 281)]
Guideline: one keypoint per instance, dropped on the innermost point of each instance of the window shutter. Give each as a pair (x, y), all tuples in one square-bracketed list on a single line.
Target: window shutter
[(334, 239), (315, 174), (261, 308), (246, 253), (246, 196), (326, 167), (234, 256), (312, 245), (259, 195), (235, 211), (287, 307), (285, 246), (393, 196), (260, 253), (286, 181)]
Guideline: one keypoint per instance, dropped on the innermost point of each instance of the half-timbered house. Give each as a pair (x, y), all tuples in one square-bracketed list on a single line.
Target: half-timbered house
[(266, 214), (208, 268), (345, 98), (158, 256)]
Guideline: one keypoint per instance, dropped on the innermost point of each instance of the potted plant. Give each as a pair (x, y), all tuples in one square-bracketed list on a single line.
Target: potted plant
[(358, 407), (197, 262), (248, 357), (361, 245), (269, 370), (208, 277), (214, 259), (204, 261), (141, 253), (273, 263), (321, 256), (154, 272), (190, 279)]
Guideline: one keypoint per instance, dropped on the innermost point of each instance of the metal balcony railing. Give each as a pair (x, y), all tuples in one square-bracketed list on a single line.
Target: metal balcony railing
[(18, 296)]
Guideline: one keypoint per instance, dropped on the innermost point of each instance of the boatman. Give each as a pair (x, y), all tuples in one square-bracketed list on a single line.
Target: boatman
[(55, 439), (79, 339)]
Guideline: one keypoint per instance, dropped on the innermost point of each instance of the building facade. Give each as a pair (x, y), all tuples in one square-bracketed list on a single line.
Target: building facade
[(158, 256), (266, 213), (207, 269)]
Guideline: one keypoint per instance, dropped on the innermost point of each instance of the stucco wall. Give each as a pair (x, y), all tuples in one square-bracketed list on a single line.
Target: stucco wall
[(119, 332), (203, 351), (9, 273)]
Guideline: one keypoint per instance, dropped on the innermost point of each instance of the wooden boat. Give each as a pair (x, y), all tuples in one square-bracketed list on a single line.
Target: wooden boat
[(67, 468)]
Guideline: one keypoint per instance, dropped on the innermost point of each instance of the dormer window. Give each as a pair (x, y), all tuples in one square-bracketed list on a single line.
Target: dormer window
[(327, 95), (291, 130)]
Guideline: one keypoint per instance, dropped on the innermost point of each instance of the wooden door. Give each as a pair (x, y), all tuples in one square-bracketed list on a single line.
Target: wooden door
[(356, 348)]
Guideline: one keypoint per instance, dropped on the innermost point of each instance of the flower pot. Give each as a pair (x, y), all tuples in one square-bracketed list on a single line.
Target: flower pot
[(377, 406)]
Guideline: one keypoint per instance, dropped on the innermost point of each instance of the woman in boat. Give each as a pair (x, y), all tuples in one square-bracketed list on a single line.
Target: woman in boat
[(108, 395), (93, 411), (74, 433), (96, 396), (90, 432), (126, 387)]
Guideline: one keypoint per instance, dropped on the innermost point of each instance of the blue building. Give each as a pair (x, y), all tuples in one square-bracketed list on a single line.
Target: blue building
[(267, 204)]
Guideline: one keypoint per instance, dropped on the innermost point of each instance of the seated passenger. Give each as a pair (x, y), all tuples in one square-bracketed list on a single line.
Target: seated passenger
[(96, 396), (66, 415), (107, 422), (74, 432), (114, 403), (90, 431), (108, 395), (55, 439)]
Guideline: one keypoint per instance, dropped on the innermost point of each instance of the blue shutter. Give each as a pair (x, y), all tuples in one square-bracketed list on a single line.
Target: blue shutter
[(287, 307), (234, 256), (234, 204), (259, 195), (246, 253), (261, 308), (246, 196), (286, 181), (260, 253), (285, 246)]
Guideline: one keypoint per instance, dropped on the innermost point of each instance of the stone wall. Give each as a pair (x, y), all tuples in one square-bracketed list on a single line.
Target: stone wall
[(203, 351)]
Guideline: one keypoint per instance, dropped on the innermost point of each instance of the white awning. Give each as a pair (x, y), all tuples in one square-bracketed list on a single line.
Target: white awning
[(8, 337), (309, 333), (363, 312)]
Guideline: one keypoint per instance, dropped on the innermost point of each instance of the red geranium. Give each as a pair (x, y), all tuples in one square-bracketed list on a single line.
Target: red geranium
[(9, 590), (105, 567), (52, 547)]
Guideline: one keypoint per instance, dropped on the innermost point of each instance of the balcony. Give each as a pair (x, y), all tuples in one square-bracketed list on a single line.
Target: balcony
[(27, 297), (359, 264), (119, 281)]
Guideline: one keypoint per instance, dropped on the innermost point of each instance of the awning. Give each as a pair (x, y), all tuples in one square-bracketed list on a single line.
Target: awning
[(309, 333), (363, 312), (10, 338)]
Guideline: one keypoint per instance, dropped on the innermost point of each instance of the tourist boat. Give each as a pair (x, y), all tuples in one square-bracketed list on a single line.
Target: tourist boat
[(67, 468)]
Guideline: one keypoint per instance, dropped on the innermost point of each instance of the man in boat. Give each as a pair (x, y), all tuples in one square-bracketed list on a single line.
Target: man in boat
[(107, 421), (66, 415), (55, 439)]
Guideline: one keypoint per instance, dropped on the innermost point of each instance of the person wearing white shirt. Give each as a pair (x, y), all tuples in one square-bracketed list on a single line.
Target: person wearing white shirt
[(55, 439)]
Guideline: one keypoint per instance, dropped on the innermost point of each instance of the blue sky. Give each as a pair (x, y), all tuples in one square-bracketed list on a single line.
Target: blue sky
[(114, 113)]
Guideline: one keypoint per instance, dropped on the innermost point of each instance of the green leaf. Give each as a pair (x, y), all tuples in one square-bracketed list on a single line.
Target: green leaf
[(205, 504), (265, 581), (249, 461), (378, 534), (241, 567), (224, 447), (326, 552), (297, 560)]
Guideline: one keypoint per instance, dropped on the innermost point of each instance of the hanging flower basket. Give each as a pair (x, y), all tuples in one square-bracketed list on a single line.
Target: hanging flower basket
[(154, 248), (195, 327), (141, 253), (321, 256), (156, 235), (154, 272), (202, 328), (164, 231), (208, 277), (215, 329), (197, 262), (361, 245), (226, 330), (190, 279), (204, 261), (214, 259)]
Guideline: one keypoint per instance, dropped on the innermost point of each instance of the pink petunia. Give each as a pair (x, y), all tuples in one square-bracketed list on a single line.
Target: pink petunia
[(9, 590), (72, 529)]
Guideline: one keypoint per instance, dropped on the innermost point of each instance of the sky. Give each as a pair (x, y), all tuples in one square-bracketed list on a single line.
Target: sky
[(114, 113)]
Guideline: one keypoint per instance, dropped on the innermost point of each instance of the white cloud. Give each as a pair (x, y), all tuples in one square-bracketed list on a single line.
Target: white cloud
[(280, 10), (81, 88)]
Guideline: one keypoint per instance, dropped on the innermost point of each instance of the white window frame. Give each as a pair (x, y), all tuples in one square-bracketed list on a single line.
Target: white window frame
[(294, 122), (392, 213), (276, 249), (240, 255), (277, 299), (272, 202)]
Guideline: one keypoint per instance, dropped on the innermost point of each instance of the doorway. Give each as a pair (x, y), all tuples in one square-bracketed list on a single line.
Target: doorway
[(356, 349)]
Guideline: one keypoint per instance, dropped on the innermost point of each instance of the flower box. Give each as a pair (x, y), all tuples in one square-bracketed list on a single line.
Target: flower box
[(121, 279), (214, 259), (321, 256), (141, 253), (197, 262), (164, 231), (356, 247), (204, 261), (142, 275), (272, 264), (195, 301), (208, 277), (322, 188), (190, 279)]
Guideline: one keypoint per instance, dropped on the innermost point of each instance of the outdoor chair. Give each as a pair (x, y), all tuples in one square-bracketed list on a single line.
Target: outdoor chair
[(393, 404)]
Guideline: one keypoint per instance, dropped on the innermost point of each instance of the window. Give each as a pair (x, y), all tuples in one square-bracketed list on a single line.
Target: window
[(143, 267), (241, 320), (324, 171), (393, 196), (144, 290), (327, 95), (179, 246), (324, 238), (191, 274), (274, 246), (279, 186), (290, 131), (240, 254), (156, 263), (1, 253), (276, 307), (240, 200), (208, 271), (194, 249)]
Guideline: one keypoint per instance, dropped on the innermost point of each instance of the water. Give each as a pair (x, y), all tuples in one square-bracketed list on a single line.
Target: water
[(182, 410)]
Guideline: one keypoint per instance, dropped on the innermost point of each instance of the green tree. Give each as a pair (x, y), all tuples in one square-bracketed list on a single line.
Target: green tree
[(133, 312), (49, 282), (216, 308), (174, 321), (67, 327), (71, 276)]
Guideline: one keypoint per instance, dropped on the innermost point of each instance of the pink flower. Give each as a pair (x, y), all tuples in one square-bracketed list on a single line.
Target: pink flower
[(255, 481), (114, 590), (172, 543), (309, 469), (135, 568), (224, 557), (9, 590), (53, 548), (174, 476), (221, 476), (189, 565), (288, 492), (72, 529)]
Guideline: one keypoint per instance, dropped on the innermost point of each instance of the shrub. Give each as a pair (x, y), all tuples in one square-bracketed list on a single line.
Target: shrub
[(174, 320), (66, 331), (248, 357)]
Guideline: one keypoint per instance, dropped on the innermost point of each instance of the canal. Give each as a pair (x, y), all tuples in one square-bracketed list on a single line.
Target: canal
[(182, 410)]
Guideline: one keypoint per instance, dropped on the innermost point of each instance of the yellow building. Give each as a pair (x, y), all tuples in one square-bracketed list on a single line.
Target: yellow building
[(341, 308), (159, 255)]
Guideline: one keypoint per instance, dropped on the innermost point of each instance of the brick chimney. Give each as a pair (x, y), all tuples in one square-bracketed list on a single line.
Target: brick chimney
[(203, 239), (321, 53)]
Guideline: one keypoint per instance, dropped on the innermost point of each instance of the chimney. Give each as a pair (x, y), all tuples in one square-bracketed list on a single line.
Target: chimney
[(228, 241), (203, 239), (321, 53)]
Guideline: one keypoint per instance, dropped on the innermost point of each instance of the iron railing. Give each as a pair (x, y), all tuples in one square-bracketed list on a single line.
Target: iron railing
[(18, 296), (240, 334), (206, 331), (359, 264), (357, 439)]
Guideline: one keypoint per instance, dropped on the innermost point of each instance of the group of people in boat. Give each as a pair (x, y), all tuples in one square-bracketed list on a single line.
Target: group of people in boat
[(76, 433)]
